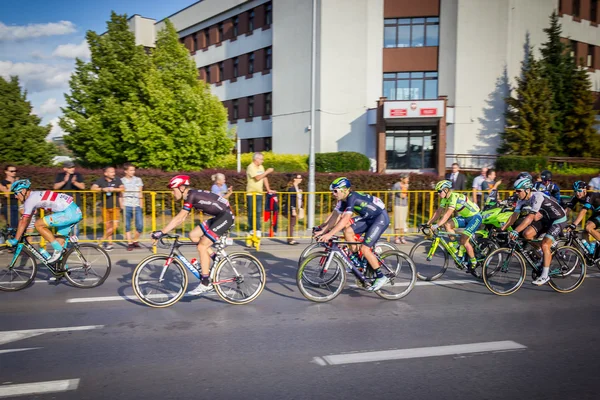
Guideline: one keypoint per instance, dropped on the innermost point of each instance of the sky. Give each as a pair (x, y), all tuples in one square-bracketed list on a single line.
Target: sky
[(39, 41)]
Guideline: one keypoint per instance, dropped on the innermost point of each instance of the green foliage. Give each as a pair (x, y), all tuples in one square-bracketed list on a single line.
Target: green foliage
[(518, 163), (342, 161), (22, 139), (529, 115), (568, 169), (279, 162)]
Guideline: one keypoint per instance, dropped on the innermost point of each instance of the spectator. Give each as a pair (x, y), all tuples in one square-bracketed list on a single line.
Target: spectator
[(489, 183), (257, 177), (219, 187), (10, 208), (69, 181), (133, 202), (477, 185), (595, 183), (457, 178), (293, 205), (400, 189), (111, 186)]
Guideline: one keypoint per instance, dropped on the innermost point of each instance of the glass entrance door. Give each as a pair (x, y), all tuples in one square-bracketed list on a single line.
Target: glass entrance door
[(410, 149)]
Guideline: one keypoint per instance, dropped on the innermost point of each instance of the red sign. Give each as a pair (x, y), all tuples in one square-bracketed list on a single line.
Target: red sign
[(398, 112), (428, 111)]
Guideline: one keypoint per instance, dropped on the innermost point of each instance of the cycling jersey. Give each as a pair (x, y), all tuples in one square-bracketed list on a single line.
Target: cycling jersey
[(363, 204), (551, 190), (461, 204), (48, 200), (207, 202), (591, 201), (545, 205)]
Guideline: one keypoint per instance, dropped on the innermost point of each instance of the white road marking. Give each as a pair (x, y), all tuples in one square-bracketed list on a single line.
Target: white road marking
[(17, 350), (13, 336), (38, 388), (420, 352), (129, 297)]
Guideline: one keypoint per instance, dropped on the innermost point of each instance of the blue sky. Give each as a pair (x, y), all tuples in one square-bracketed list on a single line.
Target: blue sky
[(39, 41)]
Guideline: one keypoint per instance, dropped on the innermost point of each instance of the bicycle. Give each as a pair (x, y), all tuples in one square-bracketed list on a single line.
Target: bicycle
[(573, 239), (431, 256), (84, 265), (161, 280), (322, 275), (504, 269)]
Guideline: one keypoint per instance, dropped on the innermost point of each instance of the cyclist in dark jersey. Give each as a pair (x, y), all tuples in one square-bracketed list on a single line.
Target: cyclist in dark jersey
[(207, 232), (588, 201), (545, 216), (372, 220)]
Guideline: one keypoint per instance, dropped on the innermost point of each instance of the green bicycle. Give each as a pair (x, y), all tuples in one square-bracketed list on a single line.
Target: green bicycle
[(432, 255)]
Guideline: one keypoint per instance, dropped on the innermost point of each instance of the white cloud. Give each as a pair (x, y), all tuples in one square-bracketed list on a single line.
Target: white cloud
[(50, 106), (37, 77), (21, 32), (70, 50), (55, 131)]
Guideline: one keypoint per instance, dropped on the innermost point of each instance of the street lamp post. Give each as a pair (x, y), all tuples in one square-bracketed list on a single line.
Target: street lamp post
[(311, 150)]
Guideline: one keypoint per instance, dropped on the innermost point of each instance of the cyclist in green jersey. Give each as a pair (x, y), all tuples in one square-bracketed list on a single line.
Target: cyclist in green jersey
[(468, 217)]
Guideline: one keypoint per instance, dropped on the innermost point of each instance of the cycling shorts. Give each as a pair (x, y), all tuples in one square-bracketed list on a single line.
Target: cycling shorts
[(217, 226), (64, 220), (552, 229), (595, 219), (373, 228), (471, 224)]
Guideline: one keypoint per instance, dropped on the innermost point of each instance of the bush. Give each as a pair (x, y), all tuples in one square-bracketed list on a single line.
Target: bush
[(521, 163), (279, 162), (343, 161)]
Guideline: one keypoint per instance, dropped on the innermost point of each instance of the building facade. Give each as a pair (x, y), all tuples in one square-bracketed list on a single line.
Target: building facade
[(405, 82)]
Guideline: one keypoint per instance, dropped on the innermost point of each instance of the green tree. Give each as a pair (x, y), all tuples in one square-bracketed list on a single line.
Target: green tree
[(529, 116), (99, 89), (22, 139), (175, 123), (580, 136)]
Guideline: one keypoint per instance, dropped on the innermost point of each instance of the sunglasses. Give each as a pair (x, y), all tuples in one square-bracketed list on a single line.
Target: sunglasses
[(519, 191), (11, 170), (440, 191), (336, 191), (580, 190)]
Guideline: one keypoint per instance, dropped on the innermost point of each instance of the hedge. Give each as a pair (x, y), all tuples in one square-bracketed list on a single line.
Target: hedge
[(521, 163), (343, 161), (279, 162)]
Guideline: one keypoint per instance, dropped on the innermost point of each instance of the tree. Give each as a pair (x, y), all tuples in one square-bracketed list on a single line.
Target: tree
[(175, 123), (99, 89), (529, 116), (580, 137), (22, 139)]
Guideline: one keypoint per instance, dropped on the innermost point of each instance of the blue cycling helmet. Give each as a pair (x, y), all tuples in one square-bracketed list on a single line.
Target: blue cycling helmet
[(19, 185), (523, 183), (579, 185), (340, 183)]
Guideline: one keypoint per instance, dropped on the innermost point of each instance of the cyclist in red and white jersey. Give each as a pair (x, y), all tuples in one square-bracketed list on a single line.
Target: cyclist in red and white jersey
[(64, 214)]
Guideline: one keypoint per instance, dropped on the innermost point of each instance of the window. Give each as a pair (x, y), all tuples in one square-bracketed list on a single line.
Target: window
[(206, 37), (236, 26), (235, 112), (410, 85), (269, 14), (411, 32), (573, 51), (251, 21), (410, 149), (268, 145), (250, 145), (576, 8), (195, 38), (590, 56), (594, 11), (251, 107), (220, 29), (221, 72), (251, 63), (207, 72), (268, 58), (236, 64), (268, 102)]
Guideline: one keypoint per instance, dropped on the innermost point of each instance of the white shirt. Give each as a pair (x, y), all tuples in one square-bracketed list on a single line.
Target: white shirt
[(47, 200), (478, 181), (595, 183), (132, 194)]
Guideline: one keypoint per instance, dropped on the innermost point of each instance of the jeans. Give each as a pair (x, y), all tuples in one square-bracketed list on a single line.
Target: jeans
[(252, 214), (11, 212), (139, 218)]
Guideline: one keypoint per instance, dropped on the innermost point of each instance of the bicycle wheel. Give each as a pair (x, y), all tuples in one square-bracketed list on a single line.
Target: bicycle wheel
[(401, 271), (429, 266), (567, 269), (323, 267), (309, 249), (86, 265), (504, 271), (239, 278), (483, 248), (154, 291), (17, 270)]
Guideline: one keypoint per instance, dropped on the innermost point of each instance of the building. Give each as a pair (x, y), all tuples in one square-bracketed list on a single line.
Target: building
[(411, 84)]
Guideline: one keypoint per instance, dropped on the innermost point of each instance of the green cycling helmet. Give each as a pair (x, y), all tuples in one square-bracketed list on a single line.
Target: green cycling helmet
[(441, 185), (523, 183), (19, 185), (340, 183)]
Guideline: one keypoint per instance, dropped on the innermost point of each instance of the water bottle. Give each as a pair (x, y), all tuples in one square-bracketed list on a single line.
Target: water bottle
[(593, 247), (44, 253), (195, 263), (355, 260), (586, 245)]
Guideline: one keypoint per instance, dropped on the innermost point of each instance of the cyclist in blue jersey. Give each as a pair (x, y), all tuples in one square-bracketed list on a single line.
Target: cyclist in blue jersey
[(372, 220), (547, 187), (588, 201)]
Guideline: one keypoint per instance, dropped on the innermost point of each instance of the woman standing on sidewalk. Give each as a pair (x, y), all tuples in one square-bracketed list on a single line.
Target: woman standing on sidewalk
[(400, 208), (10, 208), (293, 208)]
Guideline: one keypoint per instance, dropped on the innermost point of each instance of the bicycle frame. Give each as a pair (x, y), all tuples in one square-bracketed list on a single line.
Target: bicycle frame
[(516, 245), (439, 238), (573, 237), (24, 243), (334, 248)]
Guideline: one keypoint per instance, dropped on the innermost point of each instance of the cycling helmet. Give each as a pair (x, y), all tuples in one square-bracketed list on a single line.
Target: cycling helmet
[(179, 180), (19, 185), (579, 185), (525, 175), (546, 175), (445, 184), (523, 183), (340, 183)]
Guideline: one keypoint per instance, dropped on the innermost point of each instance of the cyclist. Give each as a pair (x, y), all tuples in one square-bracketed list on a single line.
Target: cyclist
[(372, 220), (547, 186), (546, 216), (468, 217), (65, 214), (207, 232), (589, 201)]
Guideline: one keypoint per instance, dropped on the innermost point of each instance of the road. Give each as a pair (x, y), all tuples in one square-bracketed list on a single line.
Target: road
[(443, 341)]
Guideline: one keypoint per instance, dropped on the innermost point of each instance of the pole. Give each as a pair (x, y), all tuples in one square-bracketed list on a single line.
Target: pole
[(311, 151), (239, 154)]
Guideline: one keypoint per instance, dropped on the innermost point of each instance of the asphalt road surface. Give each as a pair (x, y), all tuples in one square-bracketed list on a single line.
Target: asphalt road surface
[(450, 340)]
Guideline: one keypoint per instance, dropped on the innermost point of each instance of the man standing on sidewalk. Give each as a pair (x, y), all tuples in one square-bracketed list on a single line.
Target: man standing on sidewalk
[(111, 188), (132, 203), (70, 181), (257, 177)]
